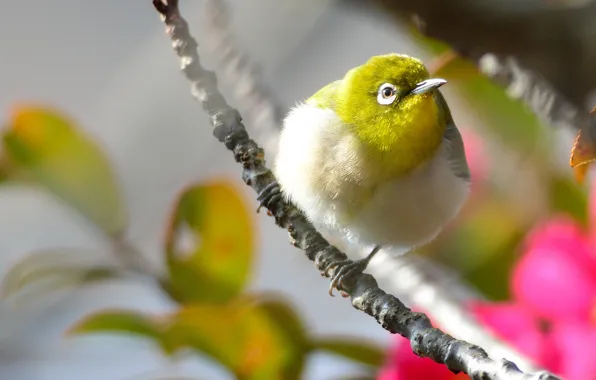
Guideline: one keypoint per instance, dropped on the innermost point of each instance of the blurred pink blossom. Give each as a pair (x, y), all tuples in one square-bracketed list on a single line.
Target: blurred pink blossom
[(576, 343), (476, 156), (556, 276), (567, 348), (551, 318), (517, 325), (554, 289)]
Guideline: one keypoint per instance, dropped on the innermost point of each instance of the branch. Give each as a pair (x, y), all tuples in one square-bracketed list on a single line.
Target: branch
[(431, 288), (365, 295), (259, 110)]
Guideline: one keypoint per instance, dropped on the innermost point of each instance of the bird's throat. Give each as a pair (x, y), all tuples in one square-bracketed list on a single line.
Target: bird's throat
[(399, 143)]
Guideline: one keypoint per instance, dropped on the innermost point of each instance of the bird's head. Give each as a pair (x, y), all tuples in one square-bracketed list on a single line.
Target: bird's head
[(389, 103)]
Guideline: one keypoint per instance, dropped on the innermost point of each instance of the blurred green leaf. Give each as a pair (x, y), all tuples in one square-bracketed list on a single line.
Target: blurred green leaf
[(286, 317), (492, 277), (566, 196), (239, 335), (288, 323), (53, 270), (42, 145), (356, 350), (505, 117), (432, 45), (122, 321), (484, 246), (209, 243)]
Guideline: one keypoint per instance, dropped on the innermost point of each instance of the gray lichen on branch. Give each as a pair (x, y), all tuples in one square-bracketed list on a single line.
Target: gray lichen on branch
[(255, 100), (364, 292)]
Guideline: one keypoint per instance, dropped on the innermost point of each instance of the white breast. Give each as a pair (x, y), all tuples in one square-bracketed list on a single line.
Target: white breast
[(321, 168)]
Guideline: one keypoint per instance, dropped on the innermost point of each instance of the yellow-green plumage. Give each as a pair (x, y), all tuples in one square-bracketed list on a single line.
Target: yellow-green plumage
[(381, 170), (421, 125)]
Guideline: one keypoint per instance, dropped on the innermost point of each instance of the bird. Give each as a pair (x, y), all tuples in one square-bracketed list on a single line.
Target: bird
[(374, 156)]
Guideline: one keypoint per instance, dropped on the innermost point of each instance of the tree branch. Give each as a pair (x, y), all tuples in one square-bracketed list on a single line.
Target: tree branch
[(440, 295), (364, 292), (255, 100)]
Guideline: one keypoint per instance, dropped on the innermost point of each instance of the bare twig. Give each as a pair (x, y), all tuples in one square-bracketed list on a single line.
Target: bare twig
[(256, 104), (364, 292)]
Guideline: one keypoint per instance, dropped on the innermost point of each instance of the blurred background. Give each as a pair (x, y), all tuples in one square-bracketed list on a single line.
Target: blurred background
[(134, 171)]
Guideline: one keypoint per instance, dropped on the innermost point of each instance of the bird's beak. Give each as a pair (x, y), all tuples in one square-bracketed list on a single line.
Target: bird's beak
[(427, 85)]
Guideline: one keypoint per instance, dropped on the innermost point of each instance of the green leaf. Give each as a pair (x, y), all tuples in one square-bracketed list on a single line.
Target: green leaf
[(46, 271), (507, 118), (484, 246), (43, 146), (238, 335), (122, 321), (286, 317), (566, 196), (356, 350), (289, 324), (209, 243)]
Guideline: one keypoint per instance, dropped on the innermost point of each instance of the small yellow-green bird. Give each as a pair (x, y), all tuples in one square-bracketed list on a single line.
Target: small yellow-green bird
[(375, 156)]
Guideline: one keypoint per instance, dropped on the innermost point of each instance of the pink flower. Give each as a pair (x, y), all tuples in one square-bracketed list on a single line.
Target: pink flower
[(566, 348), (517, 325), (476, 156), (577, 349), (556, 276), (551, 316), (554, 287)]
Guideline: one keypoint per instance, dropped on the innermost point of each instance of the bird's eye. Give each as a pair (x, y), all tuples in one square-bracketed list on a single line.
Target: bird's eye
[(387, 94)]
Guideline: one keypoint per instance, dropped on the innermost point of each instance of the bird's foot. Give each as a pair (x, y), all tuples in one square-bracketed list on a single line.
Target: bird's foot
[(344, 270), (269, 195), (347, 268)]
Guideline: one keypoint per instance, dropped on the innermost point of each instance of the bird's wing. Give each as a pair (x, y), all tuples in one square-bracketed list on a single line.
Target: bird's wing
[(457, 154)]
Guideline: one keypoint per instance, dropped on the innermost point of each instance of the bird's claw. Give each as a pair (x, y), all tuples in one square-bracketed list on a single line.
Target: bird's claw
[(343, 270), (328, 268), (269, 195)]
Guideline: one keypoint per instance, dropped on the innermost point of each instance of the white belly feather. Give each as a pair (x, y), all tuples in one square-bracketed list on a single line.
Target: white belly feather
[(321, 169)]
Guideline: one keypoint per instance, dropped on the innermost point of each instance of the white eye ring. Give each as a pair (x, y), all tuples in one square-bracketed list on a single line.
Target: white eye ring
[(387, 94)]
